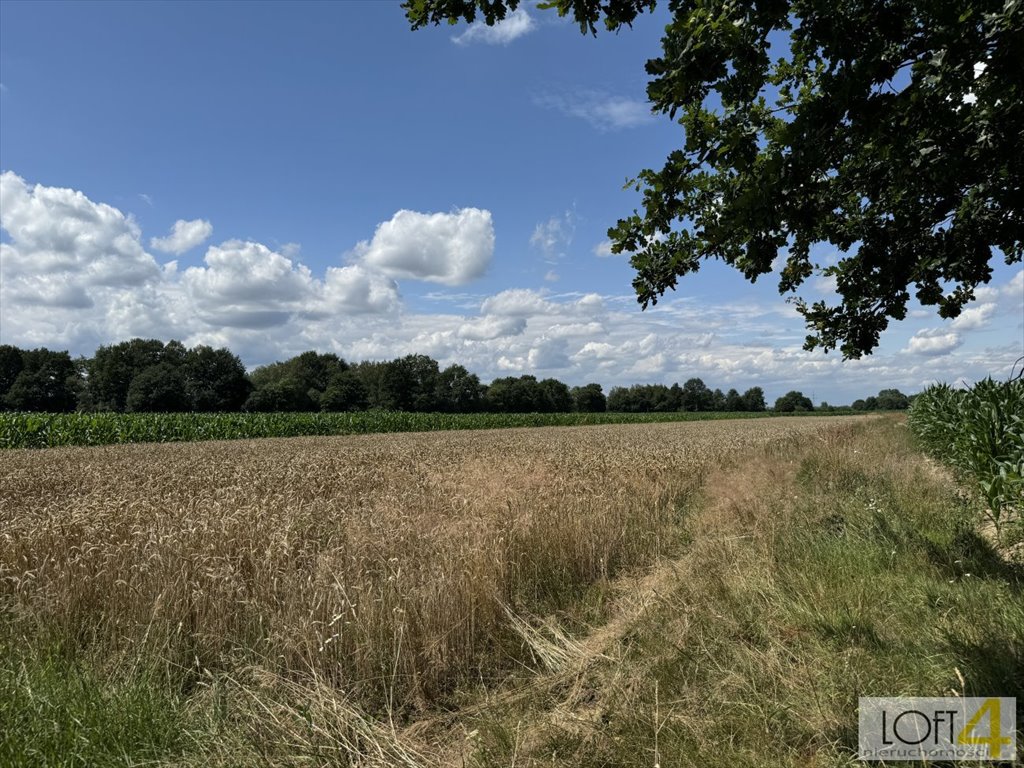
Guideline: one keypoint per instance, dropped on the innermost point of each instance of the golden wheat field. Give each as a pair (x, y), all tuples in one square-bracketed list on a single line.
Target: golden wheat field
[(386, 566)]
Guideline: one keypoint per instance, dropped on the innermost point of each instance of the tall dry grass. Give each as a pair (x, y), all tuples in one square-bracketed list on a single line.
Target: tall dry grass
[(382, 567), (847, 566)]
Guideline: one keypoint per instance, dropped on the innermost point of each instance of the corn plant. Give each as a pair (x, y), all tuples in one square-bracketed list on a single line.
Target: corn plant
[(48, 430), (980, 432)]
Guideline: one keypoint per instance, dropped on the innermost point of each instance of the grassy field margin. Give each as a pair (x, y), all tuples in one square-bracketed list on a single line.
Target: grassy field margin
[(850, 566)]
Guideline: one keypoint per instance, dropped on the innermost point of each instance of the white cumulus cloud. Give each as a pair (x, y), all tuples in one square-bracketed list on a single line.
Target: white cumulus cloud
[(596, 350), (357, 290), (184, 236), (58, 290), (973, 318), (590, 304), (493, 327), (548, 354), (933, 341), (512, 27), (516, 302), (447, 248), (572, 330), (60, 235), (247, 285), (1010, 294)]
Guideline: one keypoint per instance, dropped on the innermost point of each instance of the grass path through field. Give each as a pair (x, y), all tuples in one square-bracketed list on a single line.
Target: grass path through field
[(848, 566), (731, 494)]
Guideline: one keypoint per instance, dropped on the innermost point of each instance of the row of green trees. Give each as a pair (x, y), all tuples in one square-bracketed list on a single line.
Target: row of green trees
[(147, 375), (887, 400), (694, 396), (137, 375)]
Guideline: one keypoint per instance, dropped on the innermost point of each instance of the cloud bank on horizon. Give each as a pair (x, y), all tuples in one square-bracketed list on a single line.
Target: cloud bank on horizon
[(74, 273)]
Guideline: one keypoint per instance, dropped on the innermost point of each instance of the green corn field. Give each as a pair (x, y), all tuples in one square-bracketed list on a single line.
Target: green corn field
[(48, 430), (980, 432)]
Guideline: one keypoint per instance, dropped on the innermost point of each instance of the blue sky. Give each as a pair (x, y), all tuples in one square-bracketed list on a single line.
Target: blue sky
[(281, 177)]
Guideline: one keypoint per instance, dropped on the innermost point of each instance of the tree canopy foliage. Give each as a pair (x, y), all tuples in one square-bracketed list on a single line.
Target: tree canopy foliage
[(886, 400), (37, 380), (793, 401), (294, 385), (890, 133), (694, 396), (112, 369), (159, 388), (165, 377), (589, 399), (214, 380)]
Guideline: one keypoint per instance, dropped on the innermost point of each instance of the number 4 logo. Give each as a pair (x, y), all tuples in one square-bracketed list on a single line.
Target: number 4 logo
[(995, 739)]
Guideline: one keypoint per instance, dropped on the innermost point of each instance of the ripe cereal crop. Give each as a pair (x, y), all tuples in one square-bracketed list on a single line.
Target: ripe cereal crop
[(385, 565)]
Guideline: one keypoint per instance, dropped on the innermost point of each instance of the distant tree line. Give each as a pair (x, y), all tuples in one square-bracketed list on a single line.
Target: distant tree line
[(694, 395), (887, 400), (147, 375)]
